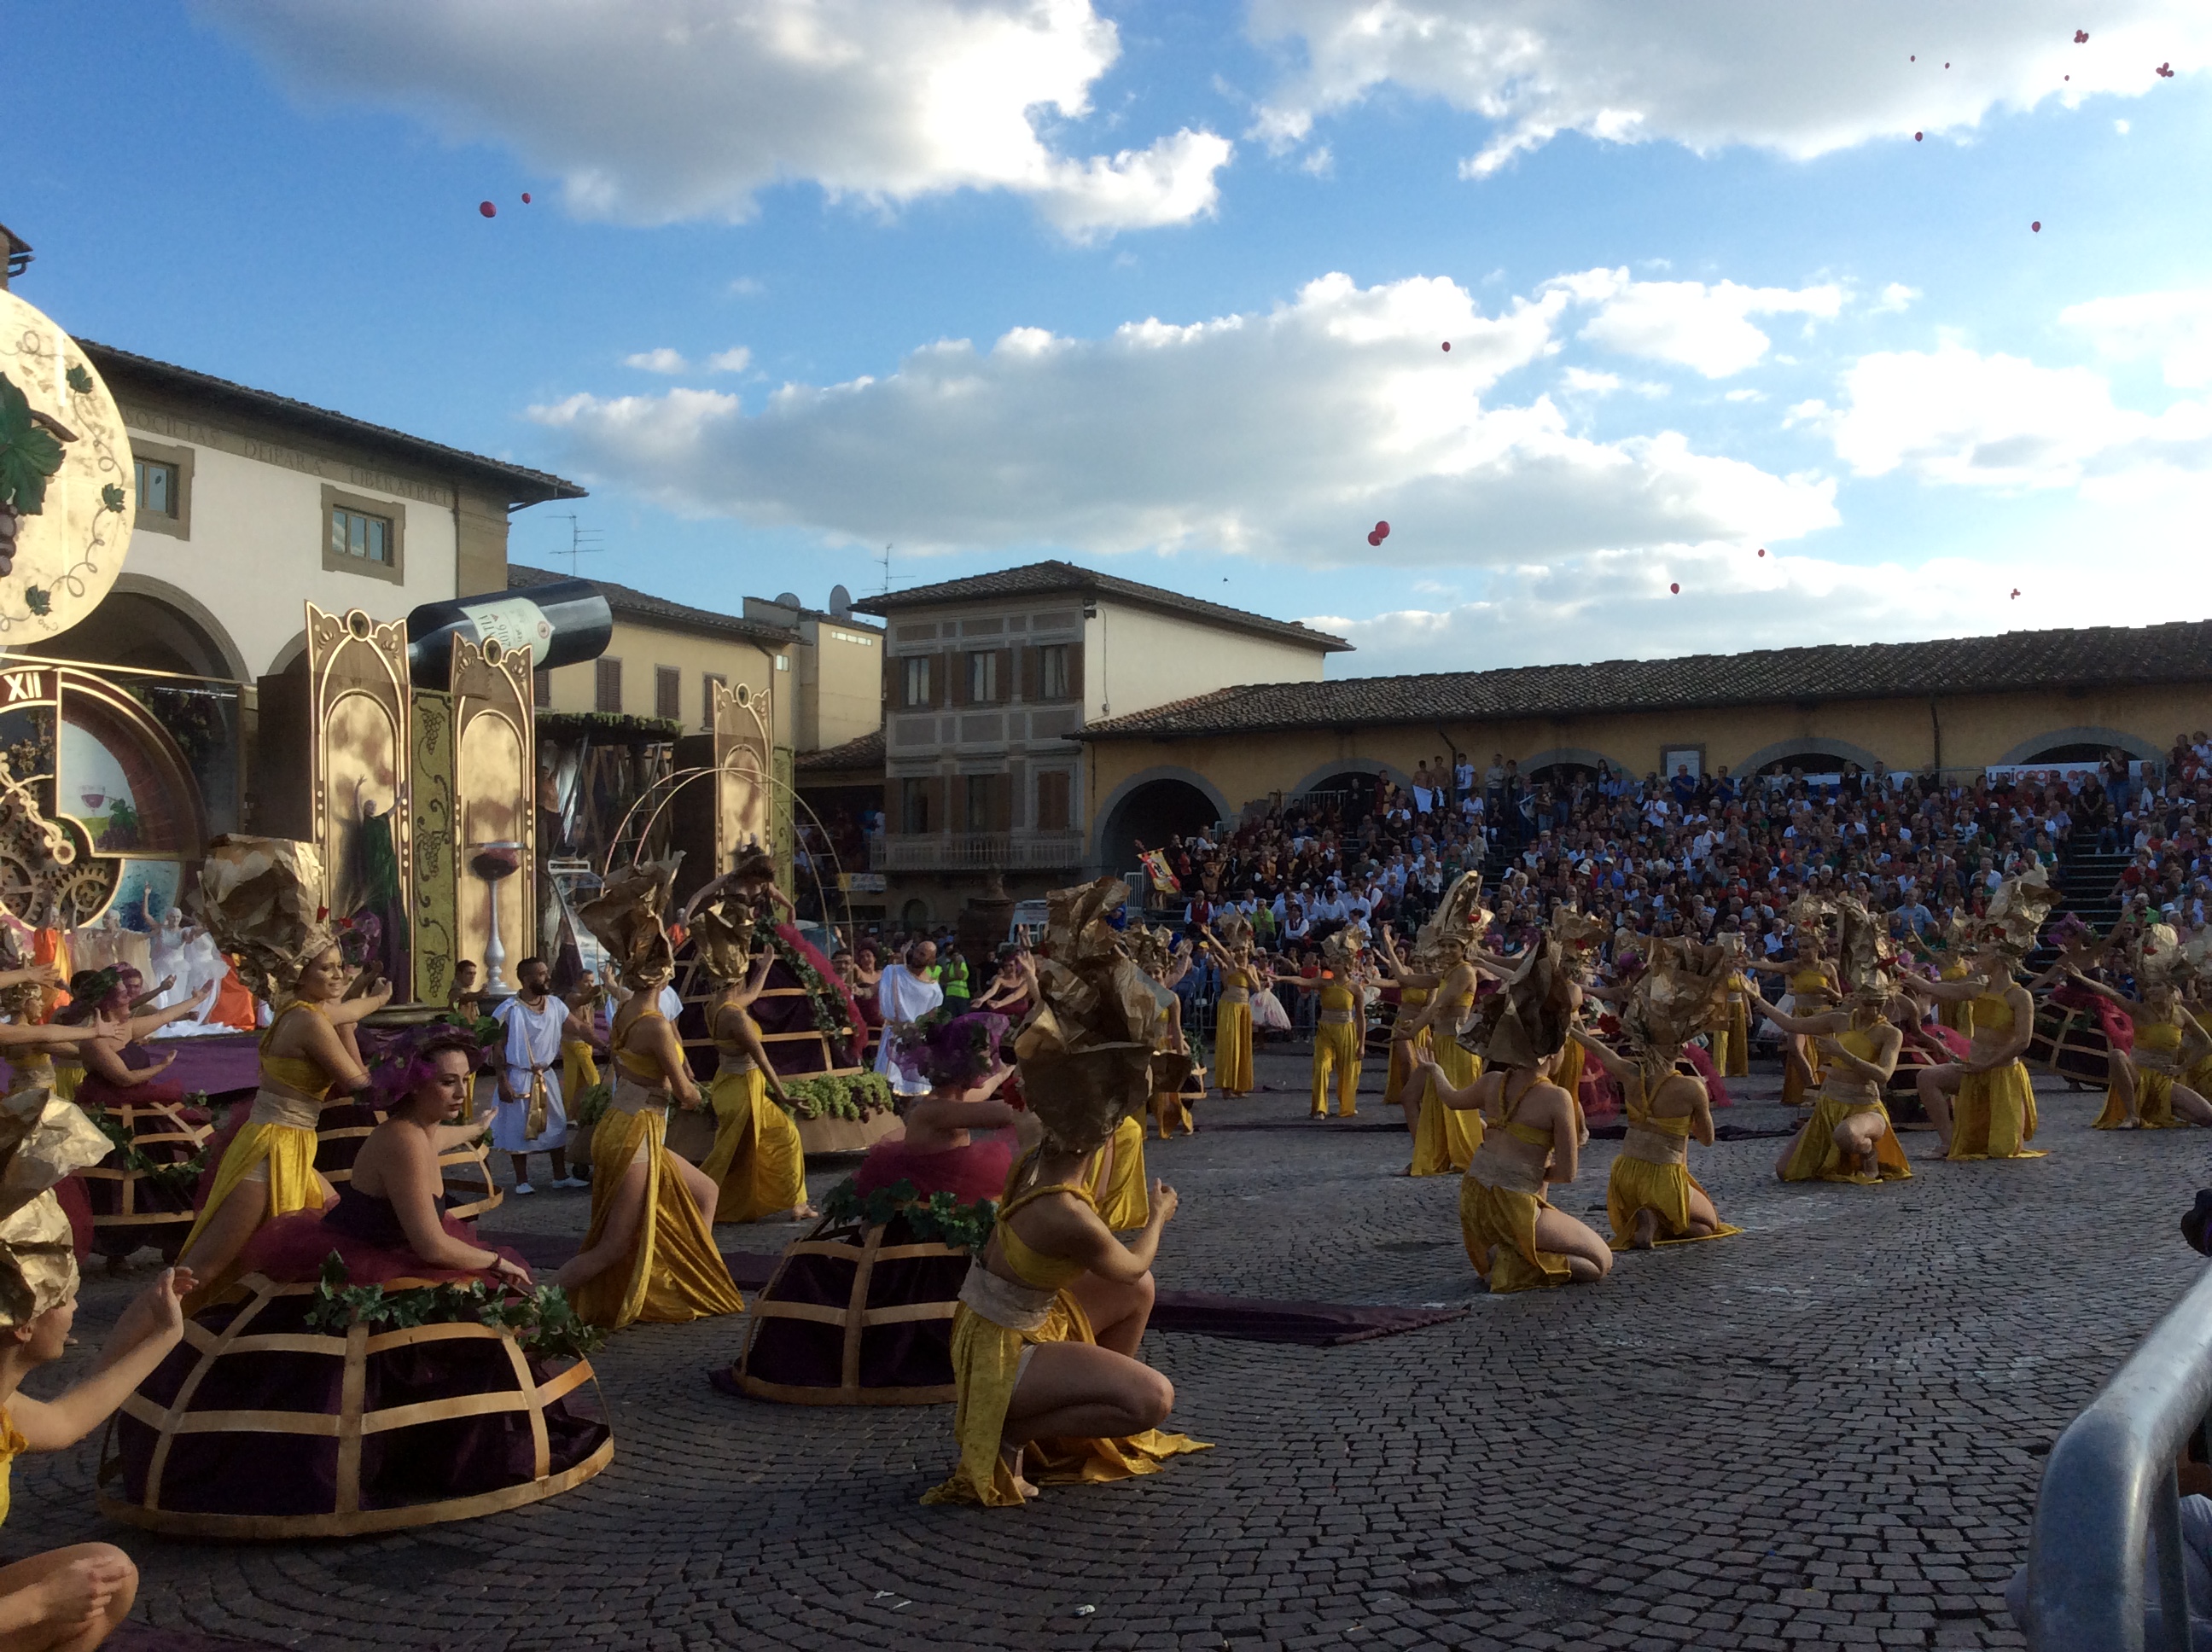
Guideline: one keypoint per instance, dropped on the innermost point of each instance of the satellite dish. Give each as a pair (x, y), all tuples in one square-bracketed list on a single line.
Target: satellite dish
[(841, 602), (789, 599)]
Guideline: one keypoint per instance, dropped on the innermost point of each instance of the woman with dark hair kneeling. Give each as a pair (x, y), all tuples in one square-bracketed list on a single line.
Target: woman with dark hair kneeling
[(1045, 1340)]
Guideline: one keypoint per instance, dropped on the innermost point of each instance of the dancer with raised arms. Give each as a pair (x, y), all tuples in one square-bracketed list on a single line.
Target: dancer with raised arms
[(1983, 1107)]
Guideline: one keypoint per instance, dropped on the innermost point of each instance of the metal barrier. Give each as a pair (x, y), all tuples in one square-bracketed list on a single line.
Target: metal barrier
[(2111, 1481)]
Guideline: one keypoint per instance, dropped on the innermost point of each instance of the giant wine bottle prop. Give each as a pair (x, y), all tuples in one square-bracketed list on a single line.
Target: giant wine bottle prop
[(561, 624)]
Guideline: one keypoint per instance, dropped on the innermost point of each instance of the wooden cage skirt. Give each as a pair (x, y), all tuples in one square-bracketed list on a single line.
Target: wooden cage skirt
[(130, 1208)]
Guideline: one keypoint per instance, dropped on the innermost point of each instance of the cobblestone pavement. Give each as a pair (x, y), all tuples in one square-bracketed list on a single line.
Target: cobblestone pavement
[(1828, 1431)]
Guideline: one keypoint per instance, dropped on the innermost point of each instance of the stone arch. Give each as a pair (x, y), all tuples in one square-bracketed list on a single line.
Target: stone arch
[(2104, 739), (292, 656), (1365, 766), (1165, 793), (1580, 755), (152, 625), (1781, 750)]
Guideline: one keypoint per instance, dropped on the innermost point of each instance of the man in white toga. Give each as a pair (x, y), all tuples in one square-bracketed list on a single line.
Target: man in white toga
[(529, 1077), (906, 993)]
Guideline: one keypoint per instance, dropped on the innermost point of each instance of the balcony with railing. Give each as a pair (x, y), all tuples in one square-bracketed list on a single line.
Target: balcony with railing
[(975, 851)]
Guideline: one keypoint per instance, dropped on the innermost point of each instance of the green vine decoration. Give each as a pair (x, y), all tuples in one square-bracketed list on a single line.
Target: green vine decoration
[(174, 1176), (592, 1105), (826, 1002), (543, 1321), (939, 1217), (854, 1095)]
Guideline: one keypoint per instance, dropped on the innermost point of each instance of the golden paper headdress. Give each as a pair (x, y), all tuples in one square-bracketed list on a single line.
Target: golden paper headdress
[(1232, 928), (41, 1141), (1808, 915), (1342, 950), (1453, 928), (2017, 911), (1525, 1022), (722, 934), (27, 999), (1868, 961), (1086, 1050), (1682, 990), (2160, 961), (625, 917), (262, 899), (1153, 949), (1580, 936)]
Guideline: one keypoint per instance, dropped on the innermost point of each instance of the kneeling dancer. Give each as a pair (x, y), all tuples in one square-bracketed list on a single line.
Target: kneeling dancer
[(1994, 1099), (1516, 1239), (1850, 1138), (1045, 1340)]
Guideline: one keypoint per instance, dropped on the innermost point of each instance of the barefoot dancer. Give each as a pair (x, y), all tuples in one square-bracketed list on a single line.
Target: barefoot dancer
[(1813, 990), (2146, 1090), (1516, 1239), (756, 1162), (1849, 1137), (1995, 1098), (1232, 1013), (1051, 1318), (1445, 1136), (1340, 1030), (650, 1253)]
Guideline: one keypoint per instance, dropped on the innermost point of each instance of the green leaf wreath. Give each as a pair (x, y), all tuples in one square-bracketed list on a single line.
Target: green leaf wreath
[(179, 1176), (543, 1321), (939, 1217)]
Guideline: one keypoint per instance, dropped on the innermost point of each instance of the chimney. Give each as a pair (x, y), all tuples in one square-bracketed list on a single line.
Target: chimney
[(19, 256)]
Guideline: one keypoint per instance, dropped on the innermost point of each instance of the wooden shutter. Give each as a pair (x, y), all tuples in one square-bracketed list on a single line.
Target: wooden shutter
[(1006, 670), (1002, 803), (956, 678), (1025, 663), (1075, 670)]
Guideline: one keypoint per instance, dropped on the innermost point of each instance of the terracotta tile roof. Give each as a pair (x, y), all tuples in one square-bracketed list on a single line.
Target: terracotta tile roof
[(2098, 657), (861, 751), (1051, 579), (649, 609), (519, 485)]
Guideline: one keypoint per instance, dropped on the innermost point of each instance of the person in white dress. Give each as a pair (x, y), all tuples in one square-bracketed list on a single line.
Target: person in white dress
[(906, 993), (531, 1116)]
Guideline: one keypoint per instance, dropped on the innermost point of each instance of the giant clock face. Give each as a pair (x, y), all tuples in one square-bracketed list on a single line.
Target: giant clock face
[(67, 554)]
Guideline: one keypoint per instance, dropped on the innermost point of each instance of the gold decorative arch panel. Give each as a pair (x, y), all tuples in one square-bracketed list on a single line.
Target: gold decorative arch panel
[(361, 794), (495, 796), (744, 756)]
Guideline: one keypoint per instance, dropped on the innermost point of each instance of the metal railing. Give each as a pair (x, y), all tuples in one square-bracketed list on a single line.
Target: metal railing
[(2110, 1482), (975, 851)]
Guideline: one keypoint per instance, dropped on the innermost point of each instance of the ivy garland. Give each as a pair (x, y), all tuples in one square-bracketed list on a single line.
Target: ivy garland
[(543, 1321), (174, 1176), (853, 1096), (592, 1105), (939, 1216)]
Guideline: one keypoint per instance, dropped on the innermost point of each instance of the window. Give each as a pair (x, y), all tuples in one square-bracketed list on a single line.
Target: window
[(708, 681), (164, 479), (1052, 800), (982, 677), (158, 491), (668, 692), (1052, 672), (917, 680), (979, 799), (541, 689), (608, 694), (361, 536), (783, 662), (913, 805)]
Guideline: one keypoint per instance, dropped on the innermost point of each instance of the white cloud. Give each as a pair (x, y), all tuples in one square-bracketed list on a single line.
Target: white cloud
[(1744, 396), (1282, 433), (1583, 382), (1953, 416), (730, 360), (747, 287), (1800, 80), (662, 359), (654, 110), (1895, 299), (1686, 322), (2172, 329)]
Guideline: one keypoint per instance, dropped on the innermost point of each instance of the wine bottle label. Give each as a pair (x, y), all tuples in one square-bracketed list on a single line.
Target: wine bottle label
[(513, 622)]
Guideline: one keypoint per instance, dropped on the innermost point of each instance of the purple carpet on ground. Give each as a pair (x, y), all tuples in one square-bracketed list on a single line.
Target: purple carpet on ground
[(1247, 1318)]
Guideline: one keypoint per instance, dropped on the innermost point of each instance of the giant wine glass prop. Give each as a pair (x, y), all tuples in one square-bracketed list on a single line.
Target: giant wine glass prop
[(492, 862)]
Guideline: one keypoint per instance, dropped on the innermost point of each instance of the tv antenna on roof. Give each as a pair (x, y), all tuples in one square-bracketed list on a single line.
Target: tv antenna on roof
[(582, 541), (887, 570)]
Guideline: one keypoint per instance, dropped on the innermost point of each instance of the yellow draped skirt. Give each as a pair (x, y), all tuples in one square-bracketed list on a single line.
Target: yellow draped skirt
[(1794, 1090), (1995, 1115), (1814, 1156), (1232, 1049), (1169, 1109), (1737, 1063), (2154, 1105), (579, 1071), (756, 1158), (1125, 1200), (289, 1152), (1637, 1185), (1445, 1138), (673, 1273), (1957, 1017), (1336, 1053), (1498, 1217), (1404, 1053), (986, 1364)]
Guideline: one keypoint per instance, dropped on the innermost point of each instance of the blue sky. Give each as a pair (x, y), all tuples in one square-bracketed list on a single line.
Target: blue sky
[(1706, 294)]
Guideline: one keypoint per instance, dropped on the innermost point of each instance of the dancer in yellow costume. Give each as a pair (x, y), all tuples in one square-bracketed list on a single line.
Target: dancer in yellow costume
[(260, 898), (756, 1163), (1733, 1056), (1813, 990), (1445, 1136), (1052, 1314), (1233, 1011), (650, 1253), (1409, 1039), (1159, 956), (1993, 1115), (2145, 1090), (1516, 1239), (1340, 1029), (1651, 1197)]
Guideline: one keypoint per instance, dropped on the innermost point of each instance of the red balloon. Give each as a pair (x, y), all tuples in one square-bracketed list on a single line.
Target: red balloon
[(1762, 550), (1447, 346), (2037, 227), (1915, 137), (1382, 529), (2080, 37), (2016, 591), (487, 208), (1374, 538), (1676, 589), (525, 198)]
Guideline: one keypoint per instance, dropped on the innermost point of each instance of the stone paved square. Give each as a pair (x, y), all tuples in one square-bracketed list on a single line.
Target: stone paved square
[(1826, 1431)]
